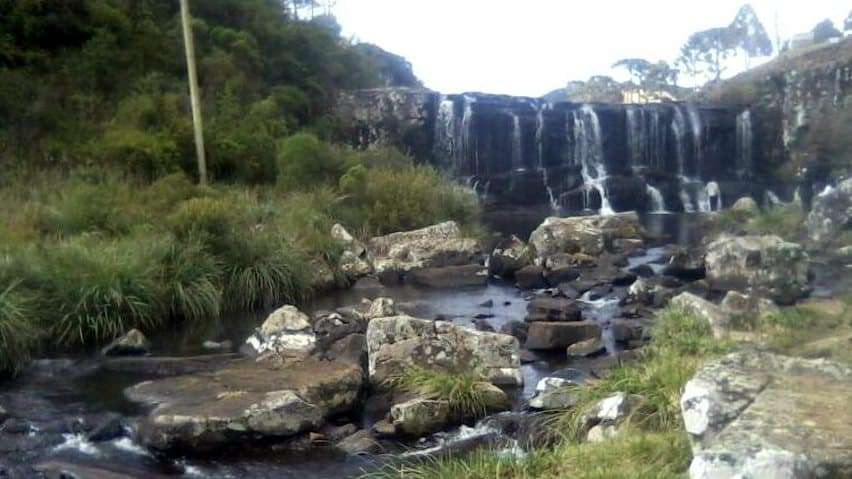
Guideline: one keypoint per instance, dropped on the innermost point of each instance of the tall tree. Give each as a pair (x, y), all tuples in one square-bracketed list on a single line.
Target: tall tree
[(637, 68), (747, 34), (825, 31)]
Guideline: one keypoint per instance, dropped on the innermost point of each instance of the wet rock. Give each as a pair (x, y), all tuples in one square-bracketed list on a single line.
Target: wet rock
[(351, 349), (482, 324), (643, 271), (384, 428), (380, 308), (560, 335), (528, 357), (643, 290), (361, 442), (338, 433), (450, 276), (624, 279), (599, 291), (107, 428), (555, 393), (546, 308), (530, 277), (587, 235), (747, 204), (287, 332), (431, 247), (494, 398), (686, 265), (628, 246), (755, 414), (133, 343), (515, 328), (245, 400), (564, 274), (58, 469), (831, 213), (568, 291), (396, 343), (331, 327), (508, 257), (589, 347), (767, 265), (217, 345), (419, 417), (167, 366), (355, 261)]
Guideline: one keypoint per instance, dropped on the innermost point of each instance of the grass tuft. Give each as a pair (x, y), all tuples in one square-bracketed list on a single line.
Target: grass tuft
[(19, 329), (462, 390)]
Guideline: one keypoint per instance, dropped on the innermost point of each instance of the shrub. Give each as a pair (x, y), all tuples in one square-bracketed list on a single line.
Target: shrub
[(19, 329), (209, 220), (192, 280), (462, 390), (263, 270), (305, 161), (84, 206), (99, 289)]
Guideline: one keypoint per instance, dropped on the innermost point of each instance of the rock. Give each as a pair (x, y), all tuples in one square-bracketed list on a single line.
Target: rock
[(528, 357), (747, 204), (686, 265), (450, 276), (494, 398), (338, 433), (624, 278), (568, 291), (380, 308), (419, 417), (748, 305), (354, 267), (643, 271), (587, 235), (384, 428), (589, 347), (831, 213), (396, 343), (628, 246), (756, 414), (530, 277), (331, 327), (245, 400), (552, 335), (482, 324), (546, 308), (369, 283), (601, 433), (515, 328), (599, 291), (508, 257), (766, 265), (361, 442), (217, 345), (605, 419), (431, 247), (3, 415), (643, 290), (352, 349), (109, 427), (554, 393), (133, 343), (167, 366), (715, 316), (561, 275), (287, 332), (487, 304)]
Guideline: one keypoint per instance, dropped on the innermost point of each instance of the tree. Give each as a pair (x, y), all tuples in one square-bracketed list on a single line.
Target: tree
[(706, 51), (825, 31), (747, 34), (847, 25), (651, 77), (637, 68)]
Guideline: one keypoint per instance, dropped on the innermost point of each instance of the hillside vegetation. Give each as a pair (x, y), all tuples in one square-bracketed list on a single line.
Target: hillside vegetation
[(102, 225)]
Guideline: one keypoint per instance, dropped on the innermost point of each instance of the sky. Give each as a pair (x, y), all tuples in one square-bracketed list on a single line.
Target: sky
[(531, 47)]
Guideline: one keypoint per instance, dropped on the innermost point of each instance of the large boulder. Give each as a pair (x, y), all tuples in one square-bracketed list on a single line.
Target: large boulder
[(714, 315), (766, 265), (606, 418), (286, 332), (831, 213), (756, 414), (355, 261), (431, 247), (584, 235), (243, 401), (746, 204), (420, 416), (397, 343), (509, 256), (560, 335)]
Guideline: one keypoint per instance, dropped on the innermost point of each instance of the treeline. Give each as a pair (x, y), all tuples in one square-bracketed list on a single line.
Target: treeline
[(102, 82)]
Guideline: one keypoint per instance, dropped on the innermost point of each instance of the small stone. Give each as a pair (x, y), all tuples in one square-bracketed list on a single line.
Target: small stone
[(361, 442), (585, 348), (384, 428), (337, 433), (419, 417), (133, 343)]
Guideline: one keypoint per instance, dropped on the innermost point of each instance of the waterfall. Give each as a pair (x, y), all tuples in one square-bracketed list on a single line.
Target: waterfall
[(745, 141), (469, 151), (635, 135), (539, 136), (714, 196), (445, 131), (686, 200), (658, 204), (679, 130), (588, 148), (517, 148), (697, 136)]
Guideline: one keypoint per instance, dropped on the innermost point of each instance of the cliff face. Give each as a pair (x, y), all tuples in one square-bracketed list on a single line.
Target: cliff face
[(802, 115), (600, 157)]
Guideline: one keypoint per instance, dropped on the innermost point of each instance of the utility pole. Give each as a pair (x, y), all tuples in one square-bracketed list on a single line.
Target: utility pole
[(193, 91)]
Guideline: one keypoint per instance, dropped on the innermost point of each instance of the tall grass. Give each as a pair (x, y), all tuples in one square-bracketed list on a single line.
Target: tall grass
[(462, 390), (19, 329), (786, 221), (192, 279)]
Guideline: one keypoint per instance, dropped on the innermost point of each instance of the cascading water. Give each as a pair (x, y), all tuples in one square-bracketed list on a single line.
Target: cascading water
[(588, 148), (714, 196), (697, 137), (658, 203), (679, 129), (517, 147), (745, 141), (445, 131)]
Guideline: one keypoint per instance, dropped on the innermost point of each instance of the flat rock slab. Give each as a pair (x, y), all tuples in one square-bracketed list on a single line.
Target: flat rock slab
[(762, 415), (244, 400)]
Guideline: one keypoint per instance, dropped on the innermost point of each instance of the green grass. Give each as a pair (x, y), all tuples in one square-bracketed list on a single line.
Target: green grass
[(192, 279), (19, 331), (787, 221), (462, 390)]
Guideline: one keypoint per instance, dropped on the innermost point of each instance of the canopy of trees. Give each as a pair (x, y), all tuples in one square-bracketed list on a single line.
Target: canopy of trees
[(90, 81)]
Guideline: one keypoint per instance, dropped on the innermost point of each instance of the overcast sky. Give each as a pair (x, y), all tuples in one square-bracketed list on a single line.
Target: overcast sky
[(530, 47)]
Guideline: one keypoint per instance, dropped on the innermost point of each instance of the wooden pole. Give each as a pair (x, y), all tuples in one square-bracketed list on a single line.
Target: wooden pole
[(193, 91)]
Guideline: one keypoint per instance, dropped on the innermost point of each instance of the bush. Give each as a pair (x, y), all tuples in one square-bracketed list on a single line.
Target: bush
[(19, 330), (99, 289), (192, 279), (304, 161), (462, 390), (86, 206), (210, 220)]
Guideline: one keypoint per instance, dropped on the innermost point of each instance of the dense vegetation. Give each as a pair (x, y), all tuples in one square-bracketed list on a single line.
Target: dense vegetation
[(102, 227)]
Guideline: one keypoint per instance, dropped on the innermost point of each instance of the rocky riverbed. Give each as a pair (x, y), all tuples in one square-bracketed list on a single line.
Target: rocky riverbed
[(302, 391)]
